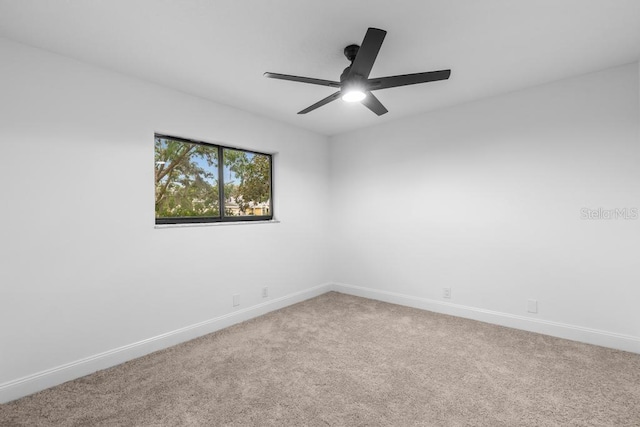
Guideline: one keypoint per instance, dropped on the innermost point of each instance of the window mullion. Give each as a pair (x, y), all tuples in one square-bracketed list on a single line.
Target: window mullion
[(221, 181)]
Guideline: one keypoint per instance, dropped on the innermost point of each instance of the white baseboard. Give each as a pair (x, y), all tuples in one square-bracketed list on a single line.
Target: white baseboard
[(556, 329), (29, 384)]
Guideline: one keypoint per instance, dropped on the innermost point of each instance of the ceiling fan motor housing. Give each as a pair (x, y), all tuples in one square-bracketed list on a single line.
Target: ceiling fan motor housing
[(350, 52)]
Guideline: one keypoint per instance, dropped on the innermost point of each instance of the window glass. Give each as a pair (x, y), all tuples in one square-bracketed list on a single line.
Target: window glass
[(247, 183), (186, 179)]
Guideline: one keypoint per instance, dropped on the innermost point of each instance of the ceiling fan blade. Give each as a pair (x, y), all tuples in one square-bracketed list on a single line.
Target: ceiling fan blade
[(320, 103), (302, 79), (374, 104), (407, 79), (367, 53)]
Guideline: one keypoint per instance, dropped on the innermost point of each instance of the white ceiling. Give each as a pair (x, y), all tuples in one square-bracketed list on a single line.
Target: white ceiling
[(219, 49)]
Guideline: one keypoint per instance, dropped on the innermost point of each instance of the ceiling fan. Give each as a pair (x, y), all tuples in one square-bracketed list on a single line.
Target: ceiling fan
[(355, 84)]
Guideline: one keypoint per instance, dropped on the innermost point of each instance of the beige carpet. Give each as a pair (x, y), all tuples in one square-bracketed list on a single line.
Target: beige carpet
[(344, 361)]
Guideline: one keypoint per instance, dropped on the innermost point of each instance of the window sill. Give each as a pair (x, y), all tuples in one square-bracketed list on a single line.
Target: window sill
[(215, 224)]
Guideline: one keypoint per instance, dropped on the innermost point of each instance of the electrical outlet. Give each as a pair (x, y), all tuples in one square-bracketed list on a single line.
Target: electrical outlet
[(236, 300), (265, 292), (446, 293), (532, 306)]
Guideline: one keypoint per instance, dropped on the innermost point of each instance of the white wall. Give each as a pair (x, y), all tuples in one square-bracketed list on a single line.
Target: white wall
[(486, 199), (83, 270)]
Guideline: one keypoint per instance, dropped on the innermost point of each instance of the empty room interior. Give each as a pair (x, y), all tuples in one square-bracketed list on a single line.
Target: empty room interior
[(320, 213)]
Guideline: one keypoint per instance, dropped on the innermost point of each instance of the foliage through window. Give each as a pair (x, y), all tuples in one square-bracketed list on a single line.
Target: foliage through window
[(193, 185)]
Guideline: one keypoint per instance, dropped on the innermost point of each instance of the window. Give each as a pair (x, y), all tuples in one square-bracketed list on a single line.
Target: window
[(197, 182)]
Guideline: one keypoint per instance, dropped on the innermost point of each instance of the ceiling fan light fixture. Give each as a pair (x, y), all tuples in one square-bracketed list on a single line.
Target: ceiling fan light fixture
[(354, 95)]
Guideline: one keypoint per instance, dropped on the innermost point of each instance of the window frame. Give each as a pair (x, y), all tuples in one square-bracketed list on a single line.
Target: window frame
[(221, 204)]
